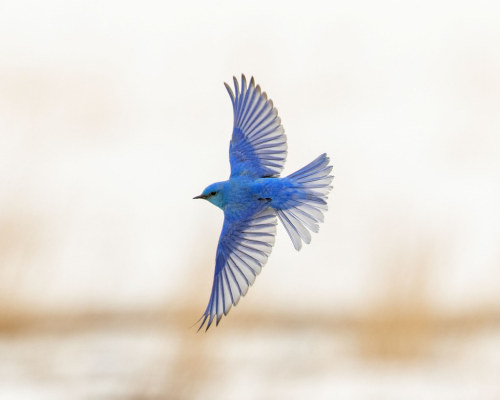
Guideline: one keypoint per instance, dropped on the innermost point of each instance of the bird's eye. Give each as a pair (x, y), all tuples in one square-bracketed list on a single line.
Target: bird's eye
[(212, 193)]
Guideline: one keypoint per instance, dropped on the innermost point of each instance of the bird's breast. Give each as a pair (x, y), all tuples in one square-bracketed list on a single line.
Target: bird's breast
[(239, 191)]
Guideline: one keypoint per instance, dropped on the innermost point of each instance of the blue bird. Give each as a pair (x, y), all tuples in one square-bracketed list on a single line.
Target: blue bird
[(255, 195)]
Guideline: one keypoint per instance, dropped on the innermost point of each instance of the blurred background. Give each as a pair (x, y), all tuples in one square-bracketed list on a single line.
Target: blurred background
[(113, 116)]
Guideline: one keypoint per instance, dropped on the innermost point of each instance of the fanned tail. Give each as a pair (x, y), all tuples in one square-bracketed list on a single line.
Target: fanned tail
[(309, 186)]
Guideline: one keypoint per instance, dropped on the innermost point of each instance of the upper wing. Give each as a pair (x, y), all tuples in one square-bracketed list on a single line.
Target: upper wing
[(258, 146), (243, 249)]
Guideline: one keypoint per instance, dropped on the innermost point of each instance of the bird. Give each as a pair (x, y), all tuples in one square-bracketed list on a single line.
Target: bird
[(255, 197)]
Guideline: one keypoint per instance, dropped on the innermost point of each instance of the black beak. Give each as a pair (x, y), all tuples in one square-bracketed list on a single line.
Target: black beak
[(199, 197)]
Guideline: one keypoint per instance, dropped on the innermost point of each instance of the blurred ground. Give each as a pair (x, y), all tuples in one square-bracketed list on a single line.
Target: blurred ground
[(390, 354), (113, 116)]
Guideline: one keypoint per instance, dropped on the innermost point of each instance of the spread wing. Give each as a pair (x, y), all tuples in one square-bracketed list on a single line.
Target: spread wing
[(258, 146), (243, 249)]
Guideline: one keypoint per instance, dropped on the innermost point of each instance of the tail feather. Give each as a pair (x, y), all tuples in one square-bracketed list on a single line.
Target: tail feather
[(310, 186), (309, 222), (295, 228)]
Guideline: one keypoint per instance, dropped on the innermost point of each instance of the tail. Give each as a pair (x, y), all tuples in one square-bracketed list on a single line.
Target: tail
[(309, 187)]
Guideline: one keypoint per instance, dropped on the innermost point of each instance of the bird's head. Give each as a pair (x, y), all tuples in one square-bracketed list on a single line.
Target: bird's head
[(213, 194)]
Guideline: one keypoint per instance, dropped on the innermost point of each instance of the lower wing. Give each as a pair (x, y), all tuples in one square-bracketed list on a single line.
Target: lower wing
[(243, 249)]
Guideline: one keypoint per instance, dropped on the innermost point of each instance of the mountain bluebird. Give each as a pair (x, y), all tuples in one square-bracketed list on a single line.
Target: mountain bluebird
[(255, 195)]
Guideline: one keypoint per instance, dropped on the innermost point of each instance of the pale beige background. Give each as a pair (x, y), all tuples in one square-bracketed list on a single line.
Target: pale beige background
[(113, 116)]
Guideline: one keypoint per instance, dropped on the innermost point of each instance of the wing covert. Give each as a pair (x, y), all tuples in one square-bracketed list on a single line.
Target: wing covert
[(258, 145), (244, 247)]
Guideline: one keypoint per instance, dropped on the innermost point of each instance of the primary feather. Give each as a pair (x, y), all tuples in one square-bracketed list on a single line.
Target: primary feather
[(258, 145), (243, 249)]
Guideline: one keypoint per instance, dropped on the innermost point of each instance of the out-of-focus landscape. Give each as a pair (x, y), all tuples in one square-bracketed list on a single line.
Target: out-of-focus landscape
[(113, 116)]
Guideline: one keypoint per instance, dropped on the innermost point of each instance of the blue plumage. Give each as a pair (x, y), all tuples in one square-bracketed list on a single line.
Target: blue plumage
[(254, 196)]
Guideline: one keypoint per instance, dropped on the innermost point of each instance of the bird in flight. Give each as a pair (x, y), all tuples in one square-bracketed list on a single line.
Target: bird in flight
[(255, 195)]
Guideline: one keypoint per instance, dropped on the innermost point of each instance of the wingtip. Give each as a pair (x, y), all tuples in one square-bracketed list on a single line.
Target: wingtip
[(204, 316), (208, 323), (230, 91), (210, 320), (243, 83), (236, 86)]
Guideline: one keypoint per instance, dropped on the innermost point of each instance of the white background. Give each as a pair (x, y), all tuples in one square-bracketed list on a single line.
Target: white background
[(113, 116)]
